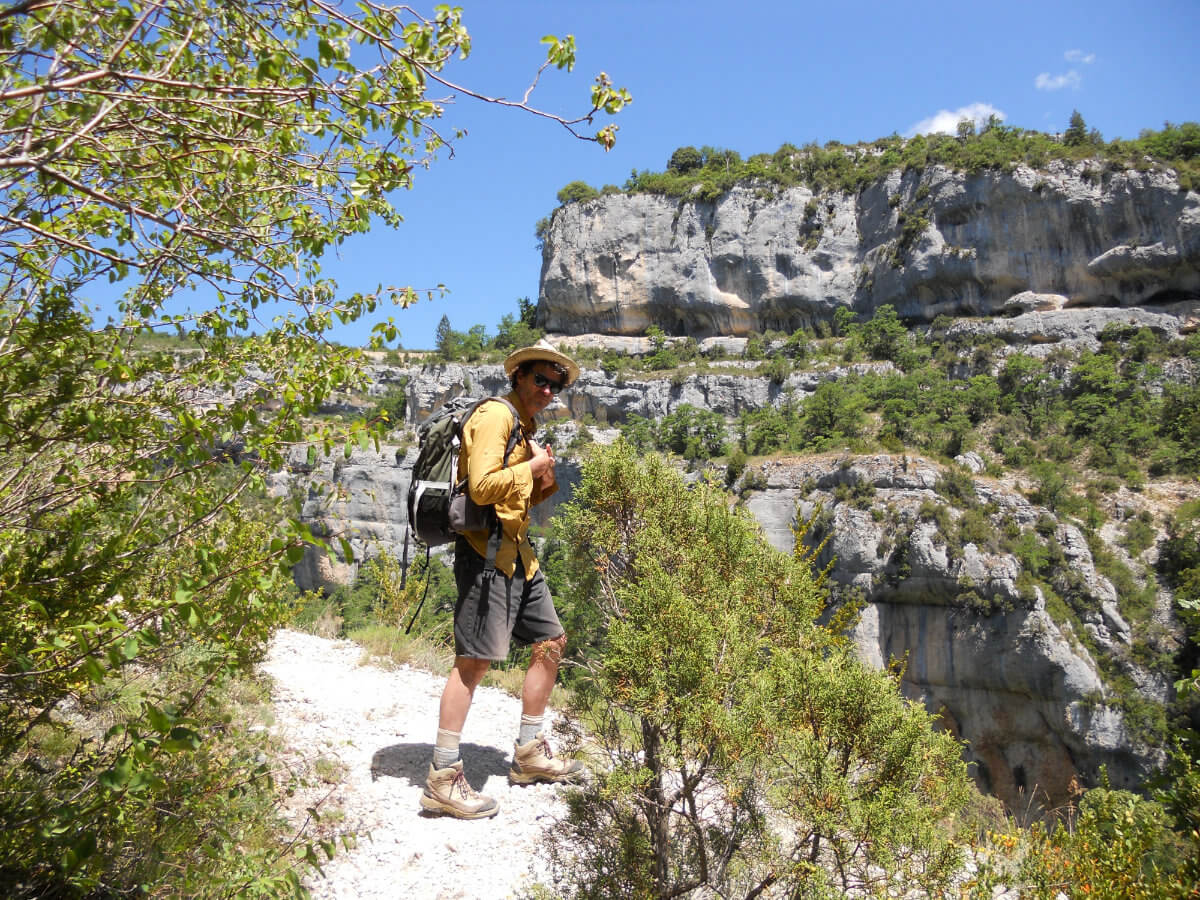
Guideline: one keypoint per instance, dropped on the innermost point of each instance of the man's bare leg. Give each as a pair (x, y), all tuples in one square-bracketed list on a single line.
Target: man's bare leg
[(541, 675), (456, 703)]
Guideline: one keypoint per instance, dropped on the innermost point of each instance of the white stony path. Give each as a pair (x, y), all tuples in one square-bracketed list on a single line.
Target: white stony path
[(376, 725)]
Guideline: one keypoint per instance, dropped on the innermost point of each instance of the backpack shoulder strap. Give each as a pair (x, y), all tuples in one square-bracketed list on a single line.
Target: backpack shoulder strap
[(518, 431), (517, 434)]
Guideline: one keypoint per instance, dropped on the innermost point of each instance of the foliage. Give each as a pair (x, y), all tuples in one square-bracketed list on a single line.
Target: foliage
[(884, 335), (1076, 133), (684, 160), (688, 431), (664, 356), (849, 168), (833, 413), (392, 407), (749, 748), (1179, 561), (171, 149), (1114, 846), (577, 192), (474, 344)]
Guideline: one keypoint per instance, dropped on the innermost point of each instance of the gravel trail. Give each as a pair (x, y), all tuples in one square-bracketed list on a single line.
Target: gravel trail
[(364, 733)]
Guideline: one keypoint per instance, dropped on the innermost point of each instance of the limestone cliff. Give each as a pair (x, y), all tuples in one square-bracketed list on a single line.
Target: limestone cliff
[(928, 242)]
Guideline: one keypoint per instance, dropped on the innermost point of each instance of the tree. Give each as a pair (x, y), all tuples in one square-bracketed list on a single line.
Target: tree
[(684, 160), (693, 433), (475, 342), (577, 192), (833, 411), (176, 148), (444, 339), (844, 320), (528, 312), (1076, 134), (884, 335), (749, 749)]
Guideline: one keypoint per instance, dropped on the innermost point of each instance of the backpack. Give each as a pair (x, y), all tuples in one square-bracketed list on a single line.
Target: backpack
[(433, 489)]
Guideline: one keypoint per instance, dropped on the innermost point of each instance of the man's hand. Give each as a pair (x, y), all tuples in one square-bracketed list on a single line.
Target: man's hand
[(542, 463), (547, 479)]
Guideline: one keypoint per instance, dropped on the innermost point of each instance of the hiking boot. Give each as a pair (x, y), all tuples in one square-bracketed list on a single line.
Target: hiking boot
[(447, 791), (535, 761)]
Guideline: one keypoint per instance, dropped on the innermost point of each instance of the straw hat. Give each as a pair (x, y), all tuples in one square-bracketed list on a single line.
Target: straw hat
[(544, 351)]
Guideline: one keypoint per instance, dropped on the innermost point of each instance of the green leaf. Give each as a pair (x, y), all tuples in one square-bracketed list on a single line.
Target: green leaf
[(181, 739), (159, 720), (115, 778), (79, 851), (93, 670)]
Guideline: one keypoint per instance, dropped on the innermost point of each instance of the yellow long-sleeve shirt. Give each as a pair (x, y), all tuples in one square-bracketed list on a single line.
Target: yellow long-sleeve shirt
[(512, 489)]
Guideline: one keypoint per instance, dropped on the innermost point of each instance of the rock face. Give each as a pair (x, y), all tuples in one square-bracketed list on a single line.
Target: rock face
[(1021, 688), (1029, 241)]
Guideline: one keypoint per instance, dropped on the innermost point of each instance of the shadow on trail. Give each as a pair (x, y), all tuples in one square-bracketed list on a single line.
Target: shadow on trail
[(411, 761)]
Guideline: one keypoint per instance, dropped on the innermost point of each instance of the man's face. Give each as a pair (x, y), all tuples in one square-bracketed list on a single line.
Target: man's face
[(536, 397)]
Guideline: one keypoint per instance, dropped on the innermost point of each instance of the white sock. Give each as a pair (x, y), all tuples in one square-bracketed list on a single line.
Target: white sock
[(530, 726), (445, 751)]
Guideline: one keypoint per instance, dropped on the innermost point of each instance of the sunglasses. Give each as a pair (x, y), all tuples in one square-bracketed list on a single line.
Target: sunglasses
[(543, 382)]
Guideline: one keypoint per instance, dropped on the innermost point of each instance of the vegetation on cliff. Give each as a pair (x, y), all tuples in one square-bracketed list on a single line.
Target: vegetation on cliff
[(706, 173)]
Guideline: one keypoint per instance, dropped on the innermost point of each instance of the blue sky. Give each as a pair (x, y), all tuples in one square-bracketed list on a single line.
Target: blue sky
[(748, 76)]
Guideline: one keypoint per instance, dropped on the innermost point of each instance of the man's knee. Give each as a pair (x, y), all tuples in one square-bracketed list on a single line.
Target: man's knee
[(471, 670), (552, 650)]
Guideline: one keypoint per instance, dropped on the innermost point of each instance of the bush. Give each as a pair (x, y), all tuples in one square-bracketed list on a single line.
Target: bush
[(1113, 846), (392, 406), (1139, 534), (714, 742), (577, 192)]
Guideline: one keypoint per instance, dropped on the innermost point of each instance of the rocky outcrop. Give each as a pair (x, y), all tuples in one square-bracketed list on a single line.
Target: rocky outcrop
[(1023, 689), (992, 243)]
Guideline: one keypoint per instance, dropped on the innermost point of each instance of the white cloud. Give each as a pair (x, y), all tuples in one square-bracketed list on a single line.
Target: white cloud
[(1048, 82), (1079, 56), (946, 120)]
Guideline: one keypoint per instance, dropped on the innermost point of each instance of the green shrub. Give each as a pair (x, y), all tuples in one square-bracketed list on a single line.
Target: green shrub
[(1139, 534), (392, 406), (956, 484), (711, 739), (1114, 845), (975, 527), (577, 192), (858, 492)]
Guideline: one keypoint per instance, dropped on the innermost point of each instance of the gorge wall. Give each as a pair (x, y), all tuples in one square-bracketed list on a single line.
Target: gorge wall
[(928, 242)]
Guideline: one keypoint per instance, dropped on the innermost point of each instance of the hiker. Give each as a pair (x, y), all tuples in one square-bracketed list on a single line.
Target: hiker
[(514, 602)]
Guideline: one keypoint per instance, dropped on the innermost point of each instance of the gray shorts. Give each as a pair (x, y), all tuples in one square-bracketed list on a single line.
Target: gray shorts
[(486, 621)]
